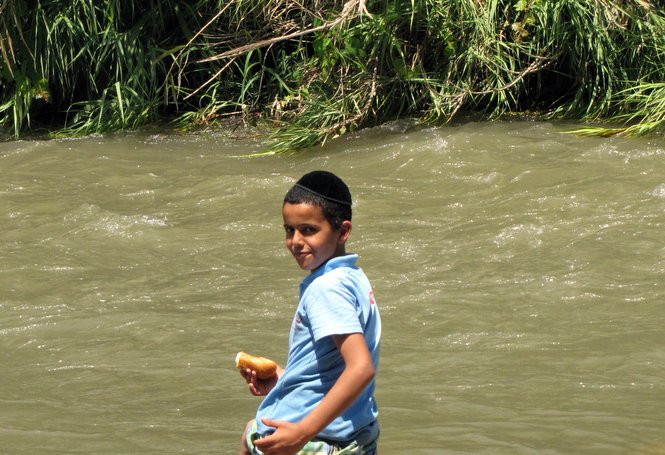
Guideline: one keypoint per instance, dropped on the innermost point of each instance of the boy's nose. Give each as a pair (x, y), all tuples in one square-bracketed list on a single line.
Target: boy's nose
[(297, 237)]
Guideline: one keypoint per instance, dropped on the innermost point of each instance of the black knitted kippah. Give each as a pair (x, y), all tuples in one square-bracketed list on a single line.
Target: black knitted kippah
[(326, 185)]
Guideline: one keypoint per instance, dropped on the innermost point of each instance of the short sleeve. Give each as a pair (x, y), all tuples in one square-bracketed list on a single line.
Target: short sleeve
[(332, 308)]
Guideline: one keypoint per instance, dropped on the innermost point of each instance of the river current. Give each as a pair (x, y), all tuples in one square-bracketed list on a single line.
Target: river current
[(519, 271)]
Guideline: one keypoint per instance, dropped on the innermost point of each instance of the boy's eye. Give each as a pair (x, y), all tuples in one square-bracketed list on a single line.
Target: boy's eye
[(303, 230)]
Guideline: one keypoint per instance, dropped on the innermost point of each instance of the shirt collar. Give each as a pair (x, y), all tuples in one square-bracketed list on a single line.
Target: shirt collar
[(348, 260)]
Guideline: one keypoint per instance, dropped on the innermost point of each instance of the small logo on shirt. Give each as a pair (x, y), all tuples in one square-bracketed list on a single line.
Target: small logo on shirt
[(297, 322), (371, 298)]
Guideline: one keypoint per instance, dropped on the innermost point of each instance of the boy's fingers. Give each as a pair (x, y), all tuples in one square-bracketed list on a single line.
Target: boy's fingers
[(271, 423), (262, 443), (249, 375)]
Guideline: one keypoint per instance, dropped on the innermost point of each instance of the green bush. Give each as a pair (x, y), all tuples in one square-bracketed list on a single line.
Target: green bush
[(316, 69)]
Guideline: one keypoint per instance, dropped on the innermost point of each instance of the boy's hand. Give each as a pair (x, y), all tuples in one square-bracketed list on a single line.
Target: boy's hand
[(287, 439), (260, 387)]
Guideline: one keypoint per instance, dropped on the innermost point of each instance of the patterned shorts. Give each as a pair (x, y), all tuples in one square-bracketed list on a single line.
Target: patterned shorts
[(317, 447)]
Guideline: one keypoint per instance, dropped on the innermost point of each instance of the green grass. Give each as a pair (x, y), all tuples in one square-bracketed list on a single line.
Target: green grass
[(314, 70)]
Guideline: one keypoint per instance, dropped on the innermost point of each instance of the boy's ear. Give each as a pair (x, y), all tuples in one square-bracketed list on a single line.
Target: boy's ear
[(344, 231)]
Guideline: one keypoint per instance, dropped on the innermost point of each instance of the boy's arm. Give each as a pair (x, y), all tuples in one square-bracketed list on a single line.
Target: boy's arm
[(358, 373)]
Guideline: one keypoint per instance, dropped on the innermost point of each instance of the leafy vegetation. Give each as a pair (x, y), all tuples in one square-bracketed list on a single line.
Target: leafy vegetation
[(316, 69)]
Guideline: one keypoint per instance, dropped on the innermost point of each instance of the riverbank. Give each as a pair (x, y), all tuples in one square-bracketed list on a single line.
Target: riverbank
[(314, 71)]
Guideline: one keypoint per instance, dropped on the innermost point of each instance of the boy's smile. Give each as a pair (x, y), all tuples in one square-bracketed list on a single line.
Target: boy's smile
[(310, 237)]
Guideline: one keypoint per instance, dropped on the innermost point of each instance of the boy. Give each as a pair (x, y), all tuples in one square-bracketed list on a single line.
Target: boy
[(323, 401)]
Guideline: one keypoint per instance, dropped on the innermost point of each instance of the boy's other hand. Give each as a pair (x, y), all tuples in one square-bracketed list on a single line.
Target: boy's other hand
[(287, 439), (260, 387)]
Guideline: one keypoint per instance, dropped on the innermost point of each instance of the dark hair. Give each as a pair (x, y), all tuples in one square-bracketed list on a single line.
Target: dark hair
[(335, 211)]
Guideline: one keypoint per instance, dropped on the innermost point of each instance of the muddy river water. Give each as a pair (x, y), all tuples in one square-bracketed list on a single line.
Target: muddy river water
[(520, 272)]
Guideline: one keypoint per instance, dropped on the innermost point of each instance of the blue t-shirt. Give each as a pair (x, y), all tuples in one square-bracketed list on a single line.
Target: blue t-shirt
[(336, 299)]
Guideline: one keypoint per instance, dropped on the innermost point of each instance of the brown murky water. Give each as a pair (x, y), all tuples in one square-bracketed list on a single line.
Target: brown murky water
[(519, 270)]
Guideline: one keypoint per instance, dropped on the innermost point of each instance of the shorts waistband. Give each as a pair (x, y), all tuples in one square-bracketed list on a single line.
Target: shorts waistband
[(365, 445)]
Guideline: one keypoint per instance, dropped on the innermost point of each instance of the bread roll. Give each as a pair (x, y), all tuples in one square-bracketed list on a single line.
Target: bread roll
[(265, 368)]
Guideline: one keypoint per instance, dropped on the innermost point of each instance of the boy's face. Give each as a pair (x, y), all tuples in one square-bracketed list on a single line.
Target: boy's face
[(310, 237)]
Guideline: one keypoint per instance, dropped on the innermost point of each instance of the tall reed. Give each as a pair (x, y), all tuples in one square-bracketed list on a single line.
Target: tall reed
[(87, 66), (316, 69)]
